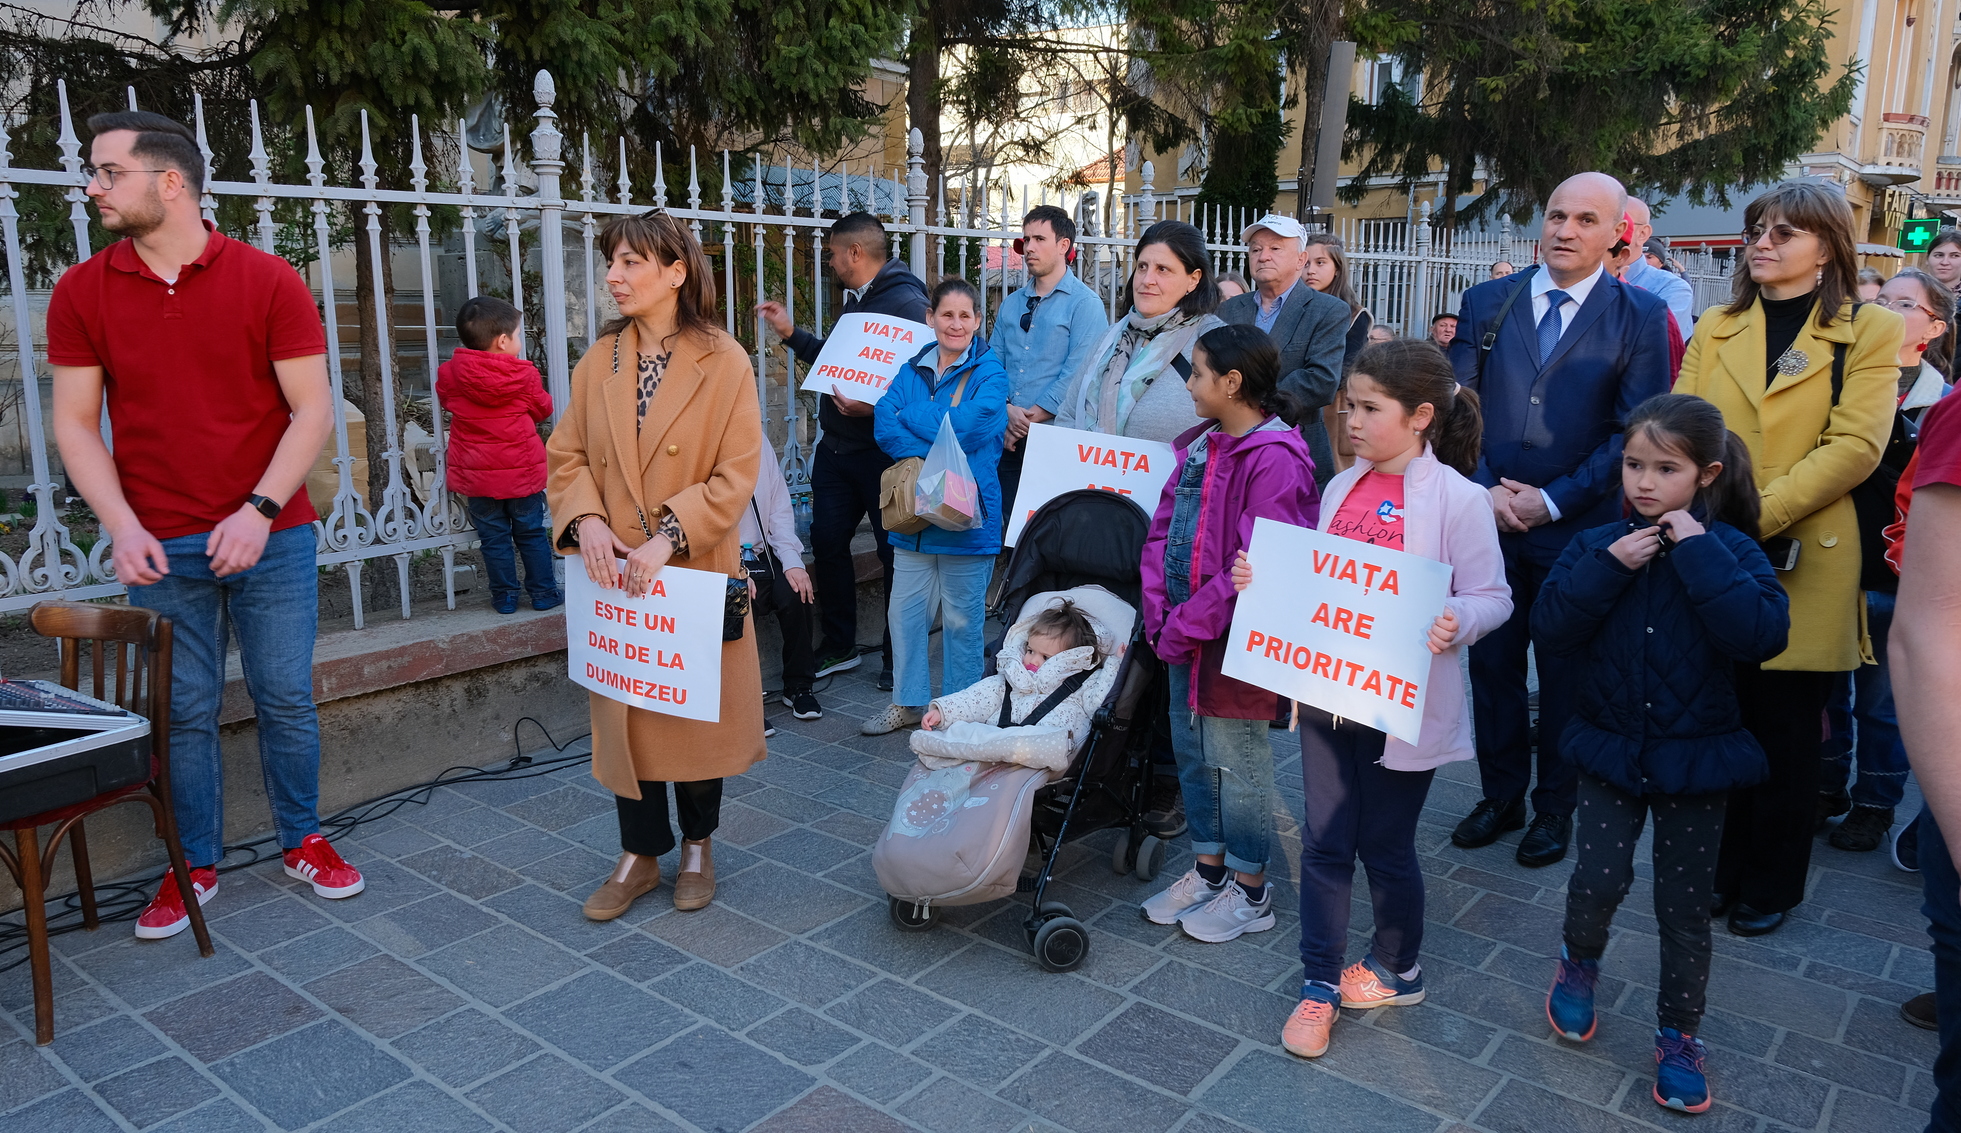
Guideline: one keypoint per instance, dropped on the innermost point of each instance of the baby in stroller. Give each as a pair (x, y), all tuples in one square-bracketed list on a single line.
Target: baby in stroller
[(999, 741)]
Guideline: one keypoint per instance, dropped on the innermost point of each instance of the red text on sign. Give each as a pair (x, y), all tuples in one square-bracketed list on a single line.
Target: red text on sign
[(1353, 674)]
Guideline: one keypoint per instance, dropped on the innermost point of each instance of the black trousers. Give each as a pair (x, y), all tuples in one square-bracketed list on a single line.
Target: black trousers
[(793, 618), (643, 821), (843, 491), (1009, 473), (1498, 699), (1688, 829), (1767, 837)]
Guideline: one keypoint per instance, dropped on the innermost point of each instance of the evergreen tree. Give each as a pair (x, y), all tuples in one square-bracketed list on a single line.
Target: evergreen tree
[(1689, 97)]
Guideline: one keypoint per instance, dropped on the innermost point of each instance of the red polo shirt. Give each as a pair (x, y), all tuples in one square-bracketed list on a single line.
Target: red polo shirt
[(194, 407)]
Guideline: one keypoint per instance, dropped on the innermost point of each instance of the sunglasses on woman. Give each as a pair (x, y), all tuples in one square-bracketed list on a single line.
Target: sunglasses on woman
[(1780, 234)]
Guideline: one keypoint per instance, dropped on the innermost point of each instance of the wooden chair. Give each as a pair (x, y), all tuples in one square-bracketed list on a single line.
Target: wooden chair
[(139, 641)]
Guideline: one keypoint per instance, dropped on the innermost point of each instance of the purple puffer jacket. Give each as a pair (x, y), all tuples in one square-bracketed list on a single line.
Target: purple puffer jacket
[(1267, 472)]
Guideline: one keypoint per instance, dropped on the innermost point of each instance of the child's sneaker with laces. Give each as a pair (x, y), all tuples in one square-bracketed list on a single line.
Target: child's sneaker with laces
[(1307, 1030), (1230, 915), (165, 916), (1368, 984), (1679, 1081), (317, 862), (1185, 894), (1569, 1005)]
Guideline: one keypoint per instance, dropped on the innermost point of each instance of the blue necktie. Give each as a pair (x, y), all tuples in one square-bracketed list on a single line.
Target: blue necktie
[(1549, 326)]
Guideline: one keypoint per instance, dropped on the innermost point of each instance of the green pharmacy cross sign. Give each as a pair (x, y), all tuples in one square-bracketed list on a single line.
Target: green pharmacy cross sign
[(1918, 235)]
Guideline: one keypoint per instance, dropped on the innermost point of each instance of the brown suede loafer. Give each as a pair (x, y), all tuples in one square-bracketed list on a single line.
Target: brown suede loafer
[(634, 876), (695, 888)]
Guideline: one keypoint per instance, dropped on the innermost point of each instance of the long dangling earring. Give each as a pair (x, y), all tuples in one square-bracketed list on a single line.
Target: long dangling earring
[(1818, 277)]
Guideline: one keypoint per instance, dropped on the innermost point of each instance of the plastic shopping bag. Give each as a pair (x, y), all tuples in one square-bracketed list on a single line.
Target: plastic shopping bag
[(947, 496)]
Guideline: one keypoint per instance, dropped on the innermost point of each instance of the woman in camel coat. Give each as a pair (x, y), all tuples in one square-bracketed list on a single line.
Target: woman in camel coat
[(1766, 361), (654, 462)]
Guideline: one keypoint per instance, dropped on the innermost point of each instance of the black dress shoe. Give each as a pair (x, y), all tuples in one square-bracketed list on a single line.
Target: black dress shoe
[(1920, 1011), (1487, 821), (1546, 842), (1746, 921), (1719, 910)]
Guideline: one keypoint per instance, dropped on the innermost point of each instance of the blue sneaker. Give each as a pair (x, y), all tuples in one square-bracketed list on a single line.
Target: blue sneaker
[(1569, 1005), (550, 601), (1679, 1081), (504, 603)]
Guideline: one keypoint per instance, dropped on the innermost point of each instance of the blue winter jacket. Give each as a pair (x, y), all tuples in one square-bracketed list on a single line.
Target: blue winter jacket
[(1656, 710), (907, 419)]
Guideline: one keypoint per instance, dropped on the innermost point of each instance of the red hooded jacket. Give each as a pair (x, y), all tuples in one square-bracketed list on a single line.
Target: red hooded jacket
[(495, 401)]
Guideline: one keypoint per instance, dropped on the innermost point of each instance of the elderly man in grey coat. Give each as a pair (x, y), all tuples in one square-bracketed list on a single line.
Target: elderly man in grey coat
[(1309, 328)]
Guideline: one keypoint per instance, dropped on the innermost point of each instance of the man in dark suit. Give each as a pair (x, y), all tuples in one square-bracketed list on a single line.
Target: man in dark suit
[(1558, 372), (1308, 327)]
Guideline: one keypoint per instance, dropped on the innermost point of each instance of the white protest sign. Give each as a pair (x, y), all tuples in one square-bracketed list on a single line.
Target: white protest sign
[(1349, 637), (1062, 460), (863, 354), (662, 652)]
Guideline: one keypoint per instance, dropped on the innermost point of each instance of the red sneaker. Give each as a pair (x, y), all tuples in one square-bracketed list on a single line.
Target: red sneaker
[(165, 916), (317, 862)]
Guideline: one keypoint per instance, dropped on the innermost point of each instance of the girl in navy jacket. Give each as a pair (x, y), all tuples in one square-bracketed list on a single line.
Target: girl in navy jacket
[(1656, 611)]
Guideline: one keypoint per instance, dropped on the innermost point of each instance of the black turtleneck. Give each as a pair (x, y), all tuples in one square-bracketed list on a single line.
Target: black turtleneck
[(1783, 319)]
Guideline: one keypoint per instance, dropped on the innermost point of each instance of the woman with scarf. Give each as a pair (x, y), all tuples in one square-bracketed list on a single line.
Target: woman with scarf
[(1133, 384)]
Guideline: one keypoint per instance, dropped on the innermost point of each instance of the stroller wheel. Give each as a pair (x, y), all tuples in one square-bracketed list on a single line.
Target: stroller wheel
[(1123, 855), (909, 917), (1150, 857), (1061, 944)]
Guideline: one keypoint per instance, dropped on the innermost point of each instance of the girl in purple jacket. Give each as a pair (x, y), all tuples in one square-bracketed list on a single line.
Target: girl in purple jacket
[(1241, 463), (1415, 432)]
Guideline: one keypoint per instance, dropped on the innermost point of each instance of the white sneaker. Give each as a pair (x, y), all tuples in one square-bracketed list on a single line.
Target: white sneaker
[(894, 717), (1229, 916), (1186, 894)]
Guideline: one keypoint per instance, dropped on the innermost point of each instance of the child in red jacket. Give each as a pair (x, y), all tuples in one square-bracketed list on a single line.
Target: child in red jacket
[(496, 460)]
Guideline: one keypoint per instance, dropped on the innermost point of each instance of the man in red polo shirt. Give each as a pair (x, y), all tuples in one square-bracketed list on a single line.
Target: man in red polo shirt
[(211, 356)]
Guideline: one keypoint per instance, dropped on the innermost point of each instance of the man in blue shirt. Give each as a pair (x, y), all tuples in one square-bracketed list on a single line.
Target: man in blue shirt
[(1043, 333), (1673, 289)]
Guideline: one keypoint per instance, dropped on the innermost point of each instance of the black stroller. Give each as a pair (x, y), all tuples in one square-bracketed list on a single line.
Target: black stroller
[(1079, 538)]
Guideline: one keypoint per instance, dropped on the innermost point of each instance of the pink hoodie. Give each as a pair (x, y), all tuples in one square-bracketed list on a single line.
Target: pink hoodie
[(1448, 518)]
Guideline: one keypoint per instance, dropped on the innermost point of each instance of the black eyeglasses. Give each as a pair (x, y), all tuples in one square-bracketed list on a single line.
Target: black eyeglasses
[(107, 177), (1028, 316), (1780, 234)]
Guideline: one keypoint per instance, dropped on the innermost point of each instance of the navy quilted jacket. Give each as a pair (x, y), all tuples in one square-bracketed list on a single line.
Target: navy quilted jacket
[(1656, 709)]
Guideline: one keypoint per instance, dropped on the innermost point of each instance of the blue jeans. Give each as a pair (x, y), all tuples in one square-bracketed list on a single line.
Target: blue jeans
[(274, 608), (955, 587), (1225, 768), (1864, 724), (502, 523), (1942, 888)]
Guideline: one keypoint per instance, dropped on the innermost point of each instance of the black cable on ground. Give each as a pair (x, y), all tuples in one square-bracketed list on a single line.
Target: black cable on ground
[(123, 900)]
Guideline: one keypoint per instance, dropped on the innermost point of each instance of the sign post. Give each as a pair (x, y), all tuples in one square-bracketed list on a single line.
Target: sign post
[(1338, 624), (863, 354), (1062, 460), (1918, 235), (662, 652)]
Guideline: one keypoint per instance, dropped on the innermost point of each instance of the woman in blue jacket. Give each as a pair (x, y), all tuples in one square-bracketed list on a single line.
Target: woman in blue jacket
[(1657, 611), (935, 570)]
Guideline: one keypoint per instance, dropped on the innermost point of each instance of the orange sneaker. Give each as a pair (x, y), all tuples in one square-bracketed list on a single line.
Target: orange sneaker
[(1307, 1029), (316, 861), (1368, 984)]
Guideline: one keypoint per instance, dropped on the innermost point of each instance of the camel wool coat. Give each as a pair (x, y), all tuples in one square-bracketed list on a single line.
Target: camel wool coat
[(696, 455), (1808, 457)]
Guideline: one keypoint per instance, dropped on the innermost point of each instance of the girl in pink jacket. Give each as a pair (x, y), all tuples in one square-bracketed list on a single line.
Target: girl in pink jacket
[(1415, 433)]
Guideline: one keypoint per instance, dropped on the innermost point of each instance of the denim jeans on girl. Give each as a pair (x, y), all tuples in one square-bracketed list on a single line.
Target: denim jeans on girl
[(274, 609), (1225, 768), (955, 588), (1356, 807), (1865, 726), (502, 523)]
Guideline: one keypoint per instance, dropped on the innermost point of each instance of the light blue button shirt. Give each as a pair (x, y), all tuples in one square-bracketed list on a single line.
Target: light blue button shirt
[(1265, 319), (1040, 361)]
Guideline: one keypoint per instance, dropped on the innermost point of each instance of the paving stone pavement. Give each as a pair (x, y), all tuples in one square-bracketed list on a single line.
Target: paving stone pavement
[(463, 991)]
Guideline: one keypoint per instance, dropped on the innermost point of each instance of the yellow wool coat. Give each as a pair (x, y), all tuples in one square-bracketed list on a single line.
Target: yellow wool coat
[(695, 454), (1807, 457)]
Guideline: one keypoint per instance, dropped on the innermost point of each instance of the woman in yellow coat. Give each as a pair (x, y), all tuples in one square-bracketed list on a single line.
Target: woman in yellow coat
[(654, 461), (1768, 361)]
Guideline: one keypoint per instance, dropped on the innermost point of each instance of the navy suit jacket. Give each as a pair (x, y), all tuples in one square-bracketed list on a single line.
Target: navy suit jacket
[(1557, 427)]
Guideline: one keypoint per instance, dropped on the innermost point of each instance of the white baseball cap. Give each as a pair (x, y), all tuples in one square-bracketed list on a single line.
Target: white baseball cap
[(1282, 226)]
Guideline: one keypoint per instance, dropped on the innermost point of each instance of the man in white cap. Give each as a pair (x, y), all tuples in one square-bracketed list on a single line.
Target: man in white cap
[(1309, 328)]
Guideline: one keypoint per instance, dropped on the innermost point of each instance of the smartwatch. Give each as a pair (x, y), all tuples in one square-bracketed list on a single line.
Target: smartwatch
[(265, 505)]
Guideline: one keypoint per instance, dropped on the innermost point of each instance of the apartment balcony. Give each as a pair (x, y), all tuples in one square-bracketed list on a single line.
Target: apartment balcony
[(1900, 157)]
